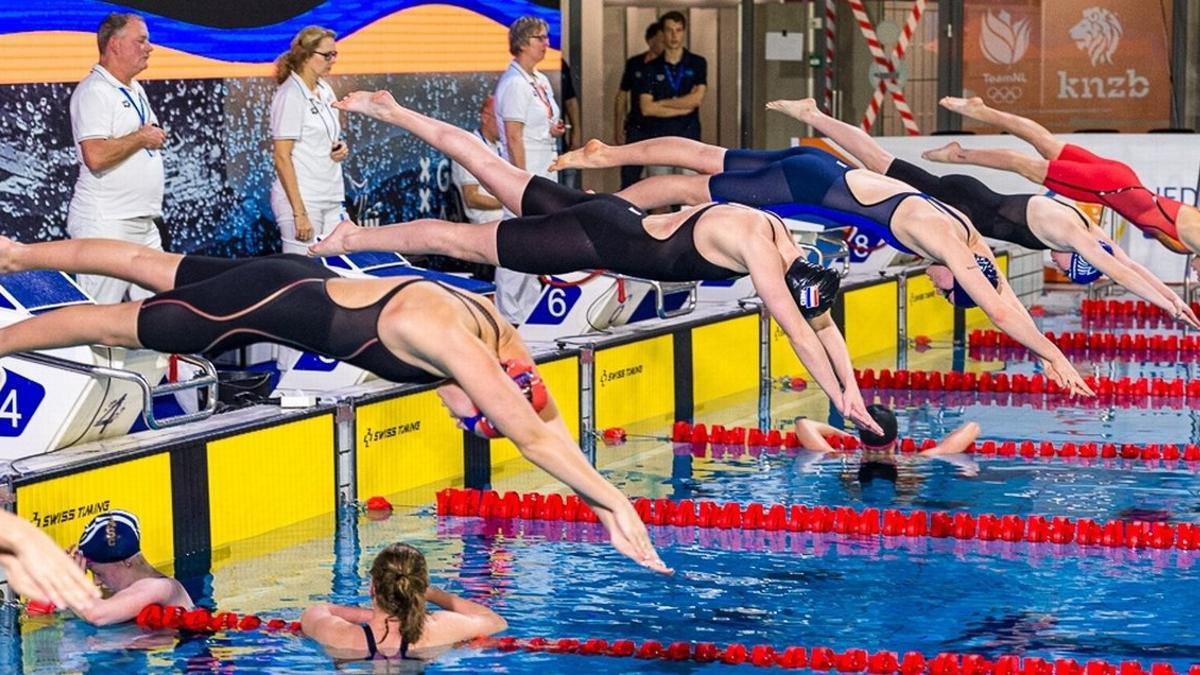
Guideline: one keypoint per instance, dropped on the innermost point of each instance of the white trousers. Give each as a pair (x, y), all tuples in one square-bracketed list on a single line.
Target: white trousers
[(141, 231)]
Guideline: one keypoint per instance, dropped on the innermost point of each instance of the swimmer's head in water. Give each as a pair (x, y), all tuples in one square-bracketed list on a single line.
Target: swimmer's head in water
[(111, 537), (814, 288), (945, 281), (886, 419), (868, 472), (1076, 267), (399, 579)]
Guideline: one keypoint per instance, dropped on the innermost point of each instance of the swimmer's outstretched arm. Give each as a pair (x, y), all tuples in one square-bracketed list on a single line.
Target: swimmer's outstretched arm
[(1127, 274), (956, 442), (38, 569), (1008, 314), (852, 139), (839, 356), (465, 358), (812, 435), (676, 151)]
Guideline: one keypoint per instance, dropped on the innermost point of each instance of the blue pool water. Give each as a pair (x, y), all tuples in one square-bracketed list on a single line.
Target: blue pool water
[(875, 593)]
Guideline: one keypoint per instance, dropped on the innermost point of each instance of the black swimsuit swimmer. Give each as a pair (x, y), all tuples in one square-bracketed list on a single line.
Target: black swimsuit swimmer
[(563, 230), (995, 215), (373, 649), (220, 304)]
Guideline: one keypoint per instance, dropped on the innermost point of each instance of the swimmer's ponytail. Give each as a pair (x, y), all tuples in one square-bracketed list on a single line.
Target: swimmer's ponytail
[(401, 578)]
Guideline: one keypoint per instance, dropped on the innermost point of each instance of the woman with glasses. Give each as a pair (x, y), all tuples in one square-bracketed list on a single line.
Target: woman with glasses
[(530, 124), (306, 140)]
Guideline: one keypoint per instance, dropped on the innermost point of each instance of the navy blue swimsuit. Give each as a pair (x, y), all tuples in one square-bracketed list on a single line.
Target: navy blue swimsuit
[(806, 180)]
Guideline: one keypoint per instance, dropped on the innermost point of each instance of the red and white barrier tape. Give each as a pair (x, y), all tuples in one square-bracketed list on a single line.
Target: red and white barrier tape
[(830, 52), (888, 81)]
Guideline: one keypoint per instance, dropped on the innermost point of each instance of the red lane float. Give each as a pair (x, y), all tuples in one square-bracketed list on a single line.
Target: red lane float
[(720, 441), (1127, 311), (826, 659), (871, 522), (200, 620), (1106, 388), (1185, 347)]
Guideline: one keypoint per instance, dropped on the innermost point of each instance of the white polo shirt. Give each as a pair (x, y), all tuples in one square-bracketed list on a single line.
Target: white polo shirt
[(525, 98), (308, 118), (103, 107), (461, 177)]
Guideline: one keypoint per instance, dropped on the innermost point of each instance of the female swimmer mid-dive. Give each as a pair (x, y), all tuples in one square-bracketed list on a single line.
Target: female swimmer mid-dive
[(561, 230), (1082, 250), (910, 221), (1075, 173), (403, 329)]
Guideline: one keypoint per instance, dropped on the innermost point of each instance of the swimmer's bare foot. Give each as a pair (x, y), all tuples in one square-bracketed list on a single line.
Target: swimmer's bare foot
[(336, 242), (803, 110), (969, 107), (593, 155), (8, 255), (951, 152), (369, 103)]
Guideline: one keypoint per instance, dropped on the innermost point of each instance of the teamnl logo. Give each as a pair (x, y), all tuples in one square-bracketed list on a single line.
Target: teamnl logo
[(1098, 34), (19, 400), (1004, 40)]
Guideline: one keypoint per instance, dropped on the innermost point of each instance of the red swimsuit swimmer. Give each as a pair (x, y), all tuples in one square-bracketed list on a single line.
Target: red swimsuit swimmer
[(1080, 175)]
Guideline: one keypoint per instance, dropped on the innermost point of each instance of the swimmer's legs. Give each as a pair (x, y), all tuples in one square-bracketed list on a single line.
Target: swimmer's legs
[(677, 151), (1047, 145), (667, 190), (505, 181), (146, 267), (109, 325), (852, 139), (428, 236), (1031, 168)]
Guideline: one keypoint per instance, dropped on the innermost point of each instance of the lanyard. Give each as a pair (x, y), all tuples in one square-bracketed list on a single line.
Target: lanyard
[(537, 90), (141, 110), (676, 80), (319, 108)]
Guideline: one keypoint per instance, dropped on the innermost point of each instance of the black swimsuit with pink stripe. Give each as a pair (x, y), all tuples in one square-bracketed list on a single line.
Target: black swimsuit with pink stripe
[(220, 304)]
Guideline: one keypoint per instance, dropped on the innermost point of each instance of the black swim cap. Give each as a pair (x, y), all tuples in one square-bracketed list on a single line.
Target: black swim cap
[(814, 288), (886, 419)]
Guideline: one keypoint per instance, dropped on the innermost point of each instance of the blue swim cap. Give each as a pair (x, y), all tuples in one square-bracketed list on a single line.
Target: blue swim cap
[(111, 537), (959, 296), (1081, 271)]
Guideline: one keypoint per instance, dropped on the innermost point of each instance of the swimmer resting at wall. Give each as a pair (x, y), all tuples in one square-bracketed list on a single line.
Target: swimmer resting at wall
[(403, 329), (397, 622), (963, 268), (1082, 251), (562, 230)]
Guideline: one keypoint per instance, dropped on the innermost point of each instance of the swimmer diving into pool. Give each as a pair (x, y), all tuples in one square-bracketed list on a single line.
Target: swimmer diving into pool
[(1076, 173), (963, 268), (1082, 250), (403, 329), (562, 230)]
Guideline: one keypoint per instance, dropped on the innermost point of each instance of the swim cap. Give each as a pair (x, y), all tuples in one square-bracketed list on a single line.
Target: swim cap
[(814, 288), (111, 537), (886, 419), (1081, 271), (959, 296), (530, 384)]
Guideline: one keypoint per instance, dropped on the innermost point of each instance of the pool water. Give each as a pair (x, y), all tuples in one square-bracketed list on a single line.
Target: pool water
[(839, 591)]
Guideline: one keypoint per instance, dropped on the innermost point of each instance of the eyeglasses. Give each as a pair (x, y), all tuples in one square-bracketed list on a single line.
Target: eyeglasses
[(329, 56), (543, 37)]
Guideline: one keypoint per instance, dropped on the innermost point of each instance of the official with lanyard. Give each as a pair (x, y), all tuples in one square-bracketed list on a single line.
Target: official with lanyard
[(529, 121), (118, 142)]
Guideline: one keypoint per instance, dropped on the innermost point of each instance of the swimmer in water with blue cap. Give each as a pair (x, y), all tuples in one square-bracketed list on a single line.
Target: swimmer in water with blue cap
[(403, 329), (111, 549)]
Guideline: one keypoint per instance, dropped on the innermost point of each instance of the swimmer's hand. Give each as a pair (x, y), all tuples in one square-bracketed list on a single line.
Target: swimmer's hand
[(629, 536), (1062, 372), (336, 242), (855, 409), (1185, 314), (39, 570)]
